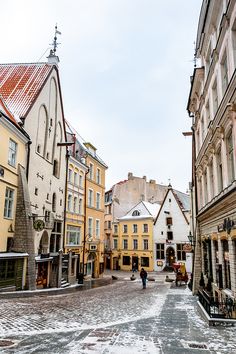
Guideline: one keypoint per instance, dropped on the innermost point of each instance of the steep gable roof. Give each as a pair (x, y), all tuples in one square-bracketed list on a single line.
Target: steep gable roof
[(4, 109), (146, 209), (20, 84)]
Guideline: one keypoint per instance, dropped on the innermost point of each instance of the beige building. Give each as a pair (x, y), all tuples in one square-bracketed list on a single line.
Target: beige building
[(212, 107)]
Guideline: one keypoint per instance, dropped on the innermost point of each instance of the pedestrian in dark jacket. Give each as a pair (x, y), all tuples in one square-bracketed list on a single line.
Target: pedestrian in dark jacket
[(143, 276)]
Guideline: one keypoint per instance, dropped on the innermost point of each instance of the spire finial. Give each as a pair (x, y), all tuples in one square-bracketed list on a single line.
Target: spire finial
[(55, 43)]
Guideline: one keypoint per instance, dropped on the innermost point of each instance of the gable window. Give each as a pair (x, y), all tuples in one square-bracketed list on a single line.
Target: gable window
[(169, 235), (160, 251), (136, 213), (145, 227), (135, 244), (181, 255), (145, 244), (125, 229), (8, 206), (125, 244), (135, 228), (169, 221), (12, 153), (98, 176)]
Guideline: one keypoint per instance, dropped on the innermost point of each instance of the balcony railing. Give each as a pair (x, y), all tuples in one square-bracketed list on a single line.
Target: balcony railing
[(217, 309)]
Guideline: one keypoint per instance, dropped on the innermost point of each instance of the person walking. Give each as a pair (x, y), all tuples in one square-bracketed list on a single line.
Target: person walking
[(143, 276)]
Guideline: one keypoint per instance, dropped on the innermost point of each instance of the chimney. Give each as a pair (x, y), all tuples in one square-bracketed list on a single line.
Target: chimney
[(130, 175), (53, 59)]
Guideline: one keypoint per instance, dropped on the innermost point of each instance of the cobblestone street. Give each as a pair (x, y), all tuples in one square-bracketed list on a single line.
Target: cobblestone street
[(116, 318)]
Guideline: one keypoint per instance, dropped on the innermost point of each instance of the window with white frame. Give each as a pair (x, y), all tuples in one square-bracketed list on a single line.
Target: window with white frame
[(219, 170), (224, 73), (125, 244), (80, 180), (160, 251), (145, 244), (12, 153), (8, 206), (145, 227), (73, 235), (90, 198), (214, 97), (91, 171), (205, 186), (90, 226), (98, 200), (115, 229), (80, 206), (125, 229), (135, 244), (211, 176), (207, 113), (98, 176), (97, 231), (115, 243), (203, 128), (181, 255), (76, 180), (75, 207), (70, 175), (135, 228), (230, 157), (69, 202)]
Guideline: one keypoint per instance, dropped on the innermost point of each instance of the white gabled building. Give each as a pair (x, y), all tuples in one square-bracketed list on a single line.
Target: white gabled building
[(171, 230)]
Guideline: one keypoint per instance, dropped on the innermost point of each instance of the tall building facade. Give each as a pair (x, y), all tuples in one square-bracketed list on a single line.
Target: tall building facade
[(212, 107)]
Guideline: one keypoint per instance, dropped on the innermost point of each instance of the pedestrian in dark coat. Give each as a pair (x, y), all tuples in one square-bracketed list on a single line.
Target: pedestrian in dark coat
[(143, 276)]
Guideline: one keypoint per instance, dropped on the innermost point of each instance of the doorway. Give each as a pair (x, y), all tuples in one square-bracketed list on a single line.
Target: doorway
[(134, 263), (170, 256)]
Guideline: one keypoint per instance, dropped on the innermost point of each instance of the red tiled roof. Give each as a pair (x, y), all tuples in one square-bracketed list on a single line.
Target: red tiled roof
[(20, 84), (6, 111)]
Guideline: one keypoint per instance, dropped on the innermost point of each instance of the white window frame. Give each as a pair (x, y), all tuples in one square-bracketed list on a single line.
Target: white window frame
[(97, 228), (98, 200), (90, 198), (73, 231), (12, 153), (91, 171), (145, 244), (9, 203), (69, 202), (98, 176), (90, 226)]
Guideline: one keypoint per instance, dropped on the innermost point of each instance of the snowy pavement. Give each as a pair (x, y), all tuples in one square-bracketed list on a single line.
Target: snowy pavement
[(117, 318)]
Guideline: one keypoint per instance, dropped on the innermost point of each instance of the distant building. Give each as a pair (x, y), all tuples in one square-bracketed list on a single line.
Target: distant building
[(171, 230), (212, 107)]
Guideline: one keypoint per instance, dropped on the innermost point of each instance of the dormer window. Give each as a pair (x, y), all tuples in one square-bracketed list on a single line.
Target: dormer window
[(136, 213)]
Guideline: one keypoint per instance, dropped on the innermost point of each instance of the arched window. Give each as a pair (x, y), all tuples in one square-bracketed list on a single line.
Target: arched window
[(55, 168), (136, 213)]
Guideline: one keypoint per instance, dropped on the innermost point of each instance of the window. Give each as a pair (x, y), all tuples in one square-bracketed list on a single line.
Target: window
[(169, 235), (219, 171), (125, 244), (144, 262), (55, 168), (55, 239), (136, 213), (98, 200), (7, 269), (145, 227), (230, 157), (145, 244), (69, 202), (205, 186), (211, 175), (115, 244), (38, 149), (90, 198), (160, 251), (98, 176), (135, 244), (36, 191), (90, 226), (224, 73), (169, 221), (80, 206), (70, 175), (115, 229), (90, 171), (126, 260), (135, 228), (73, 235), (54, 199), (181, 255), (80, 180), (109, 224), (214, 98), (76, 179), (75, 206), (125, 229), (12, 153), (8, 206), (97, 228)]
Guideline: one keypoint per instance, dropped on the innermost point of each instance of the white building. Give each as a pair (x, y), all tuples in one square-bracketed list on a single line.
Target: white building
[(171, 230)]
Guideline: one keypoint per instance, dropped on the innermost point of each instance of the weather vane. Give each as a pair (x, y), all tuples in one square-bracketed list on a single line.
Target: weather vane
[(55, 43)]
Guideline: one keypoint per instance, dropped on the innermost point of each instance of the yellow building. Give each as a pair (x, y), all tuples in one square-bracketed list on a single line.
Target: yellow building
[(95, 211), (132, 247), (13, 153)]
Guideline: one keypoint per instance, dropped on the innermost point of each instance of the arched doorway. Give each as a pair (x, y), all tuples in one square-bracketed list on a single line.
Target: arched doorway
[(43, 244), (91, 264), (170, 256)]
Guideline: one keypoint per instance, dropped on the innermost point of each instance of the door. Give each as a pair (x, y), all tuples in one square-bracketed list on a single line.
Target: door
[(170, 256), (134, 263)]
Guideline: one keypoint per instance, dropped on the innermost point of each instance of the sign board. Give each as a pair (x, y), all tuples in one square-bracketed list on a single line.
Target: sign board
[(187, 247), (39, 225)]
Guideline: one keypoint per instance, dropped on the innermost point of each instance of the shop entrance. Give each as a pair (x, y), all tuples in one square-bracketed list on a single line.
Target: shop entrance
[(170, 256), (42, 275), (134, 263)]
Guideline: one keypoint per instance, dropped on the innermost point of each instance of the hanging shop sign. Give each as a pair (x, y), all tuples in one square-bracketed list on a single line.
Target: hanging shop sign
[(38, 225), (159, 263), (187, 247)]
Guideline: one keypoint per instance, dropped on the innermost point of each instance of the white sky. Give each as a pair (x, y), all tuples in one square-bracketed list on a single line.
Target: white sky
[(124, 67)]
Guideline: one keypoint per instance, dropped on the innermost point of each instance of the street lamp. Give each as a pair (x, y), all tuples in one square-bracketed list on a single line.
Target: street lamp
[(190, 238)]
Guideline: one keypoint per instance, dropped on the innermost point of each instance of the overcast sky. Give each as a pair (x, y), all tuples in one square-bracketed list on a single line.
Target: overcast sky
[(124, 67)]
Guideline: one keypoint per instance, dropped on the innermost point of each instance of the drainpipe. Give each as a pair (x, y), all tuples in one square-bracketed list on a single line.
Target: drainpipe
[(84, 239), (65, 198), (28, 158)]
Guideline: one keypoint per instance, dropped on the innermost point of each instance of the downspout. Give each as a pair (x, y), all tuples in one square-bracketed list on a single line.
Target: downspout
[(84, 239), (65, 198), (28, 159)]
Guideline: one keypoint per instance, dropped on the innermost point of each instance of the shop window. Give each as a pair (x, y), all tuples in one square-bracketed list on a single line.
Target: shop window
[(126, 260), (160, 251), (144, 261), (181, 255)]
